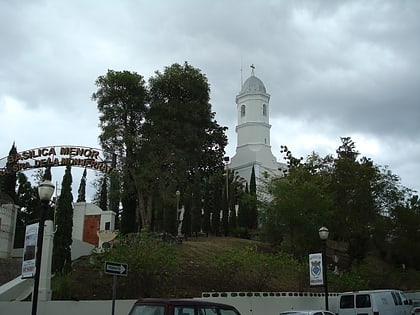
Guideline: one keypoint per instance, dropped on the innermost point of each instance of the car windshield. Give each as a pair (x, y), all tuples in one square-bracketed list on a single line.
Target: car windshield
[(148, 310)]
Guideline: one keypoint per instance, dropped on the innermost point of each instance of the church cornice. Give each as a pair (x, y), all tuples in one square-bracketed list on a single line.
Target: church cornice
[(254, 144), (253, 95), (252, 123)]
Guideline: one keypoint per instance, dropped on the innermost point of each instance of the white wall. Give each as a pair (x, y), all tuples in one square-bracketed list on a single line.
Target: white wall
[(257, 304), (252, 303), (7, 229), (122, 307)]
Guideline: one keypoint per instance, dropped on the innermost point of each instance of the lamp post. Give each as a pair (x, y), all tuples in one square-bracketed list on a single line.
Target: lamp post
[(178, 193), (222, 226), (226, 159), (323, 235), (45, 192)]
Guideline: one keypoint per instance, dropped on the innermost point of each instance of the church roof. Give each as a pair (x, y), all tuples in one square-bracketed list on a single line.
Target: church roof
[(253, 85)]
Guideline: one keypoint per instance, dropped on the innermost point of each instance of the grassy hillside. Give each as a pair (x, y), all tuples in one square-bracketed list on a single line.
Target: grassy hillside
[(224, 264)]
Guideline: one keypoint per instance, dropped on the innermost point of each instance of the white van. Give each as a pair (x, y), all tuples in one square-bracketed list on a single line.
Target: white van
[(375, 302)]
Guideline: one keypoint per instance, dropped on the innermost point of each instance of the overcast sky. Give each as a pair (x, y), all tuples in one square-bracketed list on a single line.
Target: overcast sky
[(333, 69)]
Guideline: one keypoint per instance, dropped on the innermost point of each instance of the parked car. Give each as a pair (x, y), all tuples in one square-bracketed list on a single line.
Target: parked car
[(152, 306), (306, 312), (415, 308), (374, 302)]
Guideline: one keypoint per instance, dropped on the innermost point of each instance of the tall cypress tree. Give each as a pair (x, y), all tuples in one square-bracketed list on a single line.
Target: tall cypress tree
[(114, 195), (8, 181), (81, 197), (64, 221), (253, 192), (103, 197)]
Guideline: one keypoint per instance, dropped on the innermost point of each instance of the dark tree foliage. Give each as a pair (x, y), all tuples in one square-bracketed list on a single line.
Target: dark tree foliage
[(47, 174), (352, 185), (244, 209), (196, 205), (362, 204), (253, 209), (121, 101), (103, 198), (300, 205), (61, 262), (165, 145), (404, 245), (29, 208), (181, 123), (181, 139), (8, 181), (114, 195), (28, 200), (81, 197)]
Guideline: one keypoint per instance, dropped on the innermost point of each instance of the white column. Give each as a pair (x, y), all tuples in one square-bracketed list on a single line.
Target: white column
[(46, 261)]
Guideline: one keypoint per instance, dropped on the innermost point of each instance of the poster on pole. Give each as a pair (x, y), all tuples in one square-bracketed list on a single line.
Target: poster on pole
[(29, 251), (315, 270)]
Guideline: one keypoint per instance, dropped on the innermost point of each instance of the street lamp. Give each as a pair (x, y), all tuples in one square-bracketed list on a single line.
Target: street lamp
[(226, 159), (45, 192), (178, 193), (323, 235)]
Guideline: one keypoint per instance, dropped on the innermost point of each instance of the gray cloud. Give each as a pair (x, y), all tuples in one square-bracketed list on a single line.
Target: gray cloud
[(332, 68)]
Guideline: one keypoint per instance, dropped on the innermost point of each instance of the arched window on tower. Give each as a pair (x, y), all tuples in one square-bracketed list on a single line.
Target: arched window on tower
[(264, 110), (242, 110)]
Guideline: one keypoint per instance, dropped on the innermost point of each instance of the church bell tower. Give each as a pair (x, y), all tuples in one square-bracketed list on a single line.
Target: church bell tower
[(253, 131)]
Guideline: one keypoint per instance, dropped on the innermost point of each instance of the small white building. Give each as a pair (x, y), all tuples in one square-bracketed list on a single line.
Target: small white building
[(88, 219)]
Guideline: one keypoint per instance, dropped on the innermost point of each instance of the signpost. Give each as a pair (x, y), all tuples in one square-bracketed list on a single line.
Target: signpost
[(115, 269)]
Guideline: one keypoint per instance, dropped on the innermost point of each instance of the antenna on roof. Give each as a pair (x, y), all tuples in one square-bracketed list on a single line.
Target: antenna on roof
[(242, 79)]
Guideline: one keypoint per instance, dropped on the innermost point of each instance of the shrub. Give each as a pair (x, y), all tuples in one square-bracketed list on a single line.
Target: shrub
[(150, 261)]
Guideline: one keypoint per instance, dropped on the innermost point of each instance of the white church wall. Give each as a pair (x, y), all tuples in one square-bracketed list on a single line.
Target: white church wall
[(8, 214)]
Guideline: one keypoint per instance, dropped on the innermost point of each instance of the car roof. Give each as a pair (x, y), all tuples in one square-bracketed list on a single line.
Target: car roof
[(302, 311), (181, 302), (371, 291)]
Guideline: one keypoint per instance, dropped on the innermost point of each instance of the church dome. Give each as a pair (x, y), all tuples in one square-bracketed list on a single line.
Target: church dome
[(253, 85)]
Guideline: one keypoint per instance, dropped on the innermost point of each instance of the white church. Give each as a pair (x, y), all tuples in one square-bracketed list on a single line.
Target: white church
[(253, 148)]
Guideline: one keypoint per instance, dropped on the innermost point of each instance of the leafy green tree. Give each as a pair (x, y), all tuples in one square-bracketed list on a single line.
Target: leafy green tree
[(61, 262), (114, 195), (181, 139), (301, 203), (352, 185), (405, 240), (165, 144), (121, 101), (28, 201), (340, 193)]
